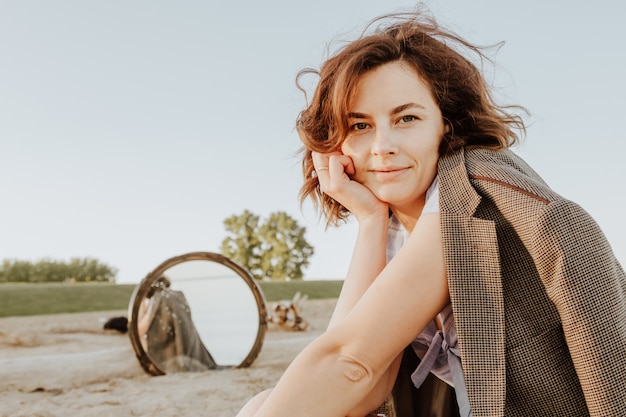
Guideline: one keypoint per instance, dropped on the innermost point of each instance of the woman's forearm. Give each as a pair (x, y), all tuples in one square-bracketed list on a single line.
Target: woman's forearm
[(368, 260)]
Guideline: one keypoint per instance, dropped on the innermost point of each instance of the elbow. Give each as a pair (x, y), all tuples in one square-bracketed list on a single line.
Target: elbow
[(346, 367), (354, 371), (361, 380)]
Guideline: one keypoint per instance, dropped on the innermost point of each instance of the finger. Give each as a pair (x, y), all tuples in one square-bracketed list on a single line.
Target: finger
[(322, 165), (346, 163), (319, 161)]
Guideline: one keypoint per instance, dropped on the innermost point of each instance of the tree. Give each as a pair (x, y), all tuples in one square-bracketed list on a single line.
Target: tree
[(273, 250)]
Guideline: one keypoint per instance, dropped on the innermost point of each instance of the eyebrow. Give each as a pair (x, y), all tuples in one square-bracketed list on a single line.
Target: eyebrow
[(395, 110)]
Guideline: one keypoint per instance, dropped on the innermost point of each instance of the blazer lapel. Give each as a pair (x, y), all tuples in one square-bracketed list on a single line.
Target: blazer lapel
[(475, 285)]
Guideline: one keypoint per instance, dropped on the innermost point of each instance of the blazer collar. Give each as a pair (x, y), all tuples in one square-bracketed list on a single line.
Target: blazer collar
[(456, 193), (475, 283)]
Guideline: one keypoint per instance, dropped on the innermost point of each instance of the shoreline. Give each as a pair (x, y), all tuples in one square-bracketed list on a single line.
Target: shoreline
[(66, 364)]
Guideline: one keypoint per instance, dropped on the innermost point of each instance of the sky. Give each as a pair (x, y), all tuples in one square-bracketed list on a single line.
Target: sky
[(129, 130)]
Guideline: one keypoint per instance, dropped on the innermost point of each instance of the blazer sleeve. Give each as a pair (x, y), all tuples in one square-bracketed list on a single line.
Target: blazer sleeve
[(588, 287)]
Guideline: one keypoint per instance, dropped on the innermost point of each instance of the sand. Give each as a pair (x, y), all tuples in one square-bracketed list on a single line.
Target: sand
[(67, 365)]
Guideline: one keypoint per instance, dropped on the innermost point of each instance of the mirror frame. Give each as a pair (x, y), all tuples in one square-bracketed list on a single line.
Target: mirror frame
[(142, 288)]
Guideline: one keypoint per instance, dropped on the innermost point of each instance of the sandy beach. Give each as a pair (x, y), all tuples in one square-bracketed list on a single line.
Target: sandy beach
[(67, 365)]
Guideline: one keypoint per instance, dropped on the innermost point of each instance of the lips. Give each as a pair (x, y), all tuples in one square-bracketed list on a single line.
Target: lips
[(388, 173), (388, 169)]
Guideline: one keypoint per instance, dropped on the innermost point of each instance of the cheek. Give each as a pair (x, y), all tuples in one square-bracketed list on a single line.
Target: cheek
[(355, 148), (358, 160), (424, 152), (348, 150), (346, 147), (429, 150)]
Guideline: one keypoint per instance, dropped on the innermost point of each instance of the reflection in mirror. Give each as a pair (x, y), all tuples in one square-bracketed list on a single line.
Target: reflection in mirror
[(197, 312)]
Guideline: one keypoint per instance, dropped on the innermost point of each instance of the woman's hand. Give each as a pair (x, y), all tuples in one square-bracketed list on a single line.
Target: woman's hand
[(334, 172)]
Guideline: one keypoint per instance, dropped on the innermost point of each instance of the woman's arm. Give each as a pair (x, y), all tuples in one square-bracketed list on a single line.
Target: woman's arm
[(336, 375), (369, 255), (143, 316), (368, 260)]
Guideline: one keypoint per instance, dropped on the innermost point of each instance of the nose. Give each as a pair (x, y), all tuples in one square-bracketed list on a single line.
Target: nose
[(383, 143)]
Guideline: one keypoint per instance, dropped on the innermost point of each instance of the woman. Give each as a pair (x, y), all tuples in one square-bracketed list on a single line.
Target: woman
[(505, 290), (167, 332)]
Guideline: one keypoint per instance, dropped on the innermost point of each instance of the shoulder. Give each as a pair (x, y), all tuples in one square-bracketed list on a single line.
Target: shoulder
[(495, 172), (503, 165)]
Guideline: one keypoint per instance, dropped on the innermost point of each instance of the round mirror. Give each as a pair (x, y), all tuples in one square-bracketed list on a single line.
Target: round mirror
[(196, 312)]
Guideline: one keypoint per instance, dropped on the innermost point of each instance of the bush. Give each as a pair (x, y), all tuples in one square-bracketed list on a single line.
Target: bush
[(46, 270)]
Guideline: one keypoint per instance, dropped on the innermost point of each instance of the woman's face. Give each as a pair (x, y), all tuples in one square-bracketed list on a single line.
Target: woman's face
[(395, 130)]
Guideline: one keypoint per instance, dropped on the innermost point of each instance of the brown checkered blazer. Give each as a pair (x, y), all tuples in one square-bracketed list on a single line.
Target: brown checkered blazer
[(539, 298)]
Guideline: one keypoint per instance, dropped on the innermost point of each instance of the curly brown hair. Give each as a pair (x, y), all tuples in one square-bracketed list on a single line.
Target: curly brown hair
[(459, 88)]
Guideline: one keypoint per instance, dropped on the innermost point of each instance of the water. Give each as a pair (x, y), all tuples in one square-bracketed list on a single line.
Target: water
[(223, 308)]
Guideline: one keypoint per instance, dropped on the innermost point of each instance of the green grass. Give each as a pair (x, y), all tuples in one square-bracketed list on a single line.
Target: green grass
[(33, 299), (276, 291), (53, 298)]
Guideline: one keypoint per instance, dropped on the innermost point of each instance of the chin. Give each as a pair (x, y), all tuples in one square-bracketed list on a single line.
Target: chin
[(391, 197)]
